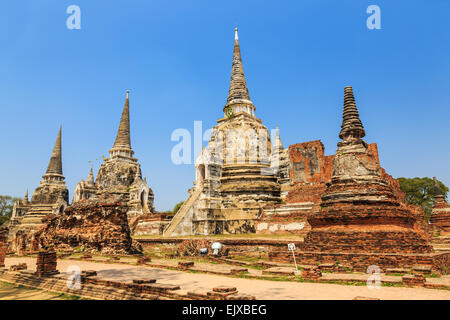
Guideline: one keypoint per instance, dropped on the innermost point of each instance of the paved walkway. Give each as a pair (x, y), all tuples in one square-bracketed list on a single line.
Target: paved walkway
[(261, 289)]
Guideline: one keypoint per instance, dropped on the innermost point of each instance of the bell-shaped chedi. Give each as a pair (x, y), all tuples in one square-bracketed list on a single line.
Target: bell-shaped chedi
[(359, 211), (234, 178), (440, 215)]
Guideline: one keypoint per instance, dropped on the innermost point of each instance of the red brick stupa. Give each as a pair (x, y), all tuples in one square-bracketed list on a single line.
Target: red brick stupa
[(359, 212), (440, 215)]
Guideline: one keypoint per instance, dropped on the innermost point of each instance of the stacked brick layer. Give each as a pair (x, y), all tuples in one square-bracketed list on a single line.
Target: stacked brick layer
[(440, 217), (46, 263), (100, 225)]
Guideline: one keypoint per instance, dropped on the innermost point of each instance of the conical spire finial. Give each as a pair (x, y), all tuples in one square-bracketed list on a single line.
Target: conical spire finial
[(123, 134), (238, 87), (90, 179), (351, 124), (437, 188), (277, 143), (25, 198), (55, 163)]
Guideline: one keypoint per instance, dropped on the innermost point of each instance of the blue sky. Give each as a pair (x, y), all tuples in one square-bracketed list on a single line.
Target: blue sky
[(175, 57)]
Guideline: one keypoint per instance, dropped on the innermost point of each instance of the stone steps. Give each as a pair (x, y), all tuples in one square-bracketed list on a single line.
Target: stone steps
[(182, 212)]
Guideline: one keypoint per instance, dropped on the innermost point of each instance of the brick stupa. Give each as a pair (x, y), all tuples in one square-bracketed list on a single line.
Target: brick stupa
[(440, 215), (359, 211)]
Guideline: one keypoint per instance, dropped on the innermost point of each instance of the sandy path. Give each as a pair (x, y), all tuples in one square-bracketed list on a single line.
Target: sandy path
[(261, 289), (9, 292)]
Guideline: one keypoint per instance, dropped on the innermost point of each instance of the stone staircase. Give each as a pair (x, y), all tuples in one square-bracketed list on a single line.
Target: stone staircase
[(33, 219), (181, 213)]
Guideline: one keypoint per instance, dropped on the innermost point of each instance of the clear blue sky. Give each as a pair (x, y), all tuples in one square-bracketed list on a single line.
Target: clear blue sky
[(175, 57)]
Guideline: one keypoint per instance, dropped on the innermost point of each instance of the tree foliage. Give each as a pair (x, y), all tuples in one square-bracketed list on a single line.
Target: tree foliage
[(6, 206), (420, 191), (177, 206)]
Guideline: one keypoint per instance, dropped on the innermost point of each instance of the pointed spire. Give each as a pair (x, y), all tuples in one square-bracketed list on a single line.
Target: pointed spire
[(26, 197), (437, 188), (351, 124), (277, 143), (123, 134), (55, 163), (238, 86), (90, 179)]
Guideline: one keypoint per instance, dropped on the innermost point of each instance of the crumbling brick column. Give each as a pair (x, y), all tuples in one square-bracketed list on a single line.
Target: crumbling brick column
[(46, 263), (3, 245), (311, 273)]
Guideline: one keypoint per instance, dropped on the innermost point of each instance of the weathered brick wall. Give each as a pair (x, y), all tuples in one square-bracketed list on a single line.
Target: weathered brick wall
[(3, 245), (97, 225), (292, 223), (307, 162), (310, 170), (149, 224), (306, 193)]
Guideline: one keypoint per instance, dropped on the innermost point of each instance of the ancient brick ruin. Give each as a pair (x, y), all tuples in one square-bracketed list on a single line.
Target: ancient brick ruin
[(3, 245), (309, 172), (440, 215), (150, 223), (97, 226), (359, 210), (46, 263)]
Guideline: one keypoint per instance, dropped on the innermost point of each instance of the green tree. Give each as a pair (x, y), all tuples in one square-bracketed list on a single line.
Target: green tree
[(420, 191), (6, 206), (177, 206)]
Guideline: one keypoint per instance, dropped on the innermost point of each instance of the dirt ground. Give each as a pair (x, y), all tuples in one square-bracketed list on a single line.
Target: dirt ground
[(11, 292), (261, 289)]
